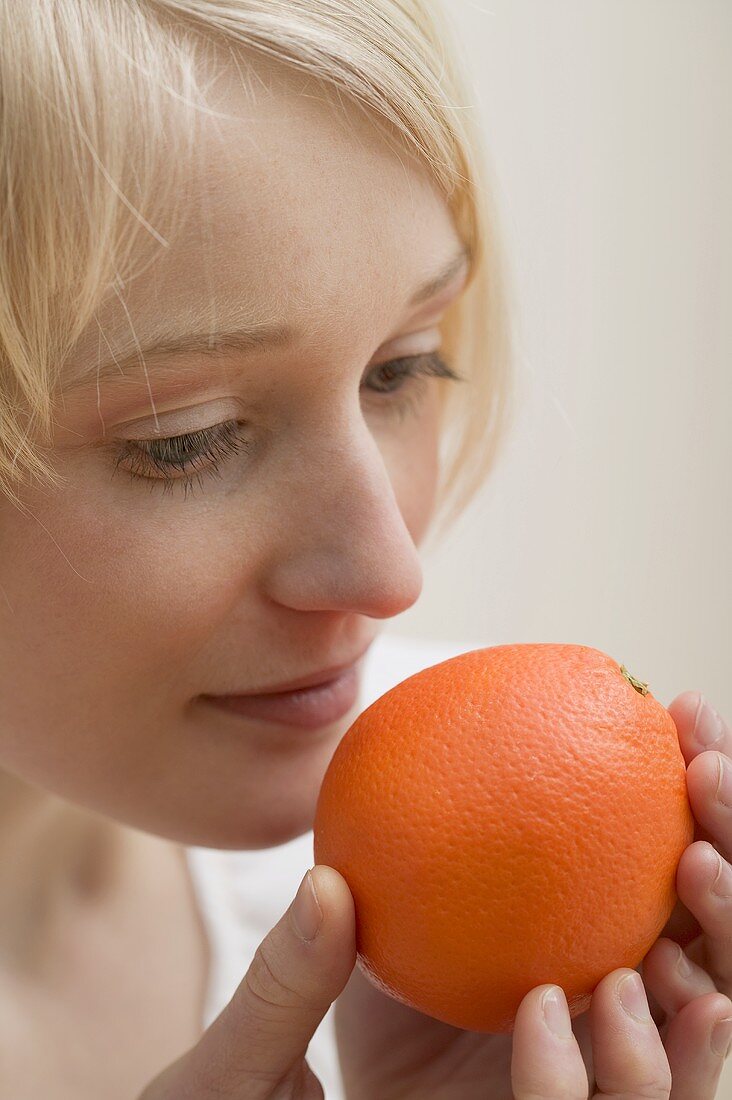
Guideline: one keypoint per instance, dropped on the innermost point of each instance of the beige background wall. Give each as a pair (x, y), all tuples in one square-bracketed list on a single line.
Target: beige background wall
[(609, 519)]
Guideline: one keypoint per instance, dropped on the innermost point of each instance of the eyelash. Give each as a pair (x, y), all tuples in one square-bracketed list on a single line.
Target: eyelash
[(153, 459)]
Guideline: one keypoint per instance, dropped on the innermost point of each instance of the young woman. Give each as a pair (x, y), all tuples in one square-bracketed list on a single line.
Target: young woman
[(250, 287)]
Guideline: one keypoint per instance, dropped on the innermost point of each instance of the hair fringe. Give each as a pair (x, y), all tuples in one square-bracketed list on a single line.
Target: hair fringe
[(81, 202)]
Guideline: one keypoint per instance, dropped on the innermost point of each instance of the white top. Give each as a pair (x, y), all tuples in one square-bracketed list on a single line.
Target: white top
[(242, 894)]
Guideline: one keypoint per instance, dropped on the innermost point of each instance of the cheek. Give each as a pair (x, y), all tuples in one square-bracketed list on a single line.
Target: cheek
[(413, 464), (102, 651), (101, 642), (95, 604), (109, 613)]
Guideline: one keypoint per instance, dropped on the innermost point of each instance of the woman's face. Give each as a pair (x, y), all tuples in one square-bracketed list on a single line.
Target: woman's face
[(130, 593)]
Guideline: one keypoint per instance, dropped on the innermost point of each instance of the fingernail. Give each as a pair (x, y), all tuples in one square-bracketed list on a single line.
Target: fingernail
[(306, 913), (633, 998), (721, 1036), (556, 1012), (722, 886), (724, 782), (683, 965), (707, 724)]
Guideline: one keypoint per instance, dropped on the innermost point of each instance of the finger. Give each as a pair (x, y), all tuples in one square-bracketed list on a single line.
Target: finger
[(699, 725), (628, 1055), (709, 786), (262, 1034), (672, 979), (291, 982), (545, 1058), (704, 885), (697, 1042)]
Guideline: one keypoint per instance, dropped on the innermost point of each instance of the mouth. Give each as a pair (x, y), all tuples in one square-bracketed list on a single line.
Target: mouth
[(309, 707), (315, 679)]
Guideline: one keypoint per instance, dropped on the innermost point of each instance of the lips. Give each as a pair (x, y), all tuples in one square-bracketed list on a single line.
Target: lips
[(309, 707), (323, 676), (315, 679), (311, 701)]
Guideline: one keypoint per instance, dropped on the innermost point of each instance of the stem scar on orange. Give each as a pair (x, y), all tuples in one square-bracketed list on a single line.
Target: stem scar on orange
[(511, 816)]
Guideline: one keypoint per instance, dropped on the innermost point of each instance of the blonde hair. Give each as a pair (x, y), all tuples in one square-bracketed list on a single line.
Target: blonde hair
[(88, 89)]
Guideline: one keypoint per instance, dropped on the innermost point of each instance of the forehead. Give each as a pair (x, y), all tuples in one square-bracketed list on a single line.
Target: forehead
[(297, 209)]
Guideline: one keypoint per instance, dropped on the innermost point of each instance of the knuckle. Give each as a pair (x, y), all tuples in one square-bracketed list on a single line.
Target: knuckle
[(660, 1089), (302, 1084), (554, 1096), (221, 1074), (560, 1093), (268, 992), (642, 1076)]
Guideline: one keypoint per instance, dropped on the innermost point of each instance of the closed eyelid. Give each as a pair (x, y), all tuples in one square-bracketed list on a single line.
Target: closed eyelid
[(419, 342), (429, 364), (161, 352), (184, 458)]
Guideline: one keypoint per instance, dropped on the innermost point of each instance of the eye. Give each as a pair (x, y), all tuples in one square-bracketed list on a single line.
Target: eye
[(397, 372), (172, 460), (185, 459), (404, 382)]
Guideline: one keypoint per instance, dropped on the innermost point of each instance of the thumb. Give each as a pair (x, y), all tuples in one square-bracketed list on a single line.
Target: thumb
[(298, 970)]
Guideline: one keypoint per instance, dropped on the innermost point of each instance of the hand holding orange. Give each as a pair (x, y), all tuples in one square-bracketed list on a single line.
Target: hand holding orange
[(508, 817)]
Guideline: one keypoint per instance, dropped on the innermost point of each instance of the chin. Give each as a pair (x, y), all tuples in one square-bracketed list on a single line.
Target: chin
[(290, 809), (270, 831), (276, 825), (282, 809), (282, 832), (275, 805)]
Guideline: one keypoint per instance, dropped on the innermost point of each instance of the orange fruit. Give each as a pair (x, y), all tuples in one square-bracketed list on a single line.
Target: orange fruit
[(511, 816)]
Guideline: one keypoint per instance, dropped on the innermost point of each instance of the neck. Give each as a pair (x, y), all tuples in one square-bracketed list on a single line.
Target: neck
[(55, 857)]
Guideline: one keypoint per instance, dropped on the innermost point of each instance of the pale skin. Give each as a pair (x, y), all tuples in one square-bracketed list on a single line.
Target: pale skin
[(123, 600)]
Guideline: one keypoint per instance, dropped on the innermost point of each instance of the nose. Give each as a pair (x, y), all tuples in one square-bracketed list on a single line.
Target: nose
[(343, 543)]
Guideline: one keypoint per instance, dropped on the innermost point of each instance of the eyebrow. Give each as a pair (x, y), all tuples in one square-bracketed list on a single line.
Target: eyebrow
[(242, 339)]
